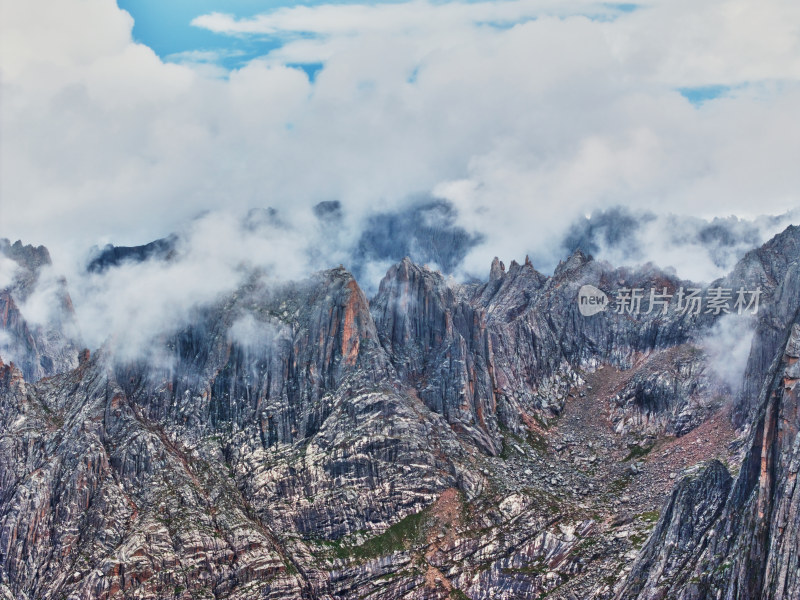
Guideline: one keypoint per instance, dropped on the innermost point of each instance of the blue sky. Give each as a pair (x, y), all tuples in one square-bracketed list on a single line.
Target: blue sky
[(165, 27), (701, 94), (522, 113)]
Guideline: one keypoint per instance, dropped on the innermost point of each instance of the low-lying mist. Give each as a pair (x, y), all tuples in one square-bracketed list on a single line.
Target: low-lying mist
[(125, 297)]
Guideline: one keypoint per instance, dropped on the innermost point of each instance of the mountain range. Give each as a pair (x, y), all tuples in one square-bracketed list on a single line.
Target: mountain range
[(433, 439)]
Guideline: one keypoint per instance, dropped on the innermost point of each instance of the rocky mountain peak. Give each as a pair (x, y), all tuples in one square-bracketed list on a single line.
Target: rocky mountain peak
[(440, 440), (38, 348), (112, 256), (575, 262), (767, 265), (497, 271), (30, 257)]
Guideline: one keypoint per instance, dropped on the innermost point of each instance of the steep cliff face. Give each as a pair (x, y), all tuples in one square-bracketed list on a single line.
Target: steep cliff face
[(670, 392), (198, 479), (774, 270), (666, 563), (721, 541), (442, 440), (263, 355), (755, 553), (113, 256), (505, 353), (101, 503), (770, 332), (440, 345)]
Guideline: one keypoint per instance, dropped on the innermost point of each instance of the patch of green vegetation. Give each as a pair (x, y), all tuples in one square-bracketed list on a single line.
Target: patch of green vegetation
[(545, 498), (333, 548), (507, 450), (585, 545), (637, 451), (403, 535), (723, 567), (618, 485), (638, 539), (537, 442), (505, 453), (733, 469), (649, 517), (405, 573), (290, 568), (456, 594), (542, 423), (537, 568), (56, 420)]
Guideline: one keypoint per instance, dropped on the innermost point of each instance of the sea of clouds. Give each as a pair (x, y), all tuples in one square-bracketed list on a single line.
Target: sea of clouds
[(524, 119)]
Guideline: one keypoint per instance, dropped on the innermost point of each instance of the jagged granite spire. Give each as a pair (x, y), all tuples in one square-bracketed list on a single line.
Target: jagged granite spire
[(440, 440)]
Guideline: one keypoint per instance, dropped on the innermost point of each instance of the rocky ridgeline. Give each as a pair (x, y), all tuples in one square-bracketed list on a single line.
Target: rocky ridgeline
[(45, 346), (439, 440), (724, 539)]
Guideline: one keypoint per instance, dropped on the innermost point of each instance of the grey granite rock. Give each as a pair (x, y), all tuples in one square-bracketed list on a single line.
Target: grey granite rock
[(440, 440)]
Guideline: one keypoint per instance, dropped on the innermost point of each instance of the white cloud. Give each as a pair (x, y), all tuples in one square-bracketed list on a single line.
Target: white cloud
[(8, 271), (253, 334), (404, 18), (522, 126), (127, 306), (42, 37), (728, 348), (690, 43)]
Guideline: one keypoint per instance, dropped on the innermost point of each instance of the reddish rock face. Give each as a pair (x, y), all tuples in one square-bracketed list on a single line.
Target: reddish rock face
[(84, 356), (752, 532), (440, 440), (356, 312)]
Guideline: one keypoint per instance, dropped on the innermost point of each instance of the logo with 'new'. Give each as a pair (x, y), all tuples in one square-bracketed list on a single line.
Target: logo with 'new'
[(591, 300)]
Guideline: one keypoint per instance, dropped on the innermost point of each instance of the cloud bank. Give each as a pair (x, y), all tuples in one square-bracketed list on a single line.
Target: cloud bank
[(519, 116), (697, 249)]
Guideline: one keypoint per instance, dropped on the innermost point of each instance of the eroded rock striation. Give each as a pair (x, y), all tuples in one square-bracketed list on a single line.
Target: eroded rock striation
[(439, 440)]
